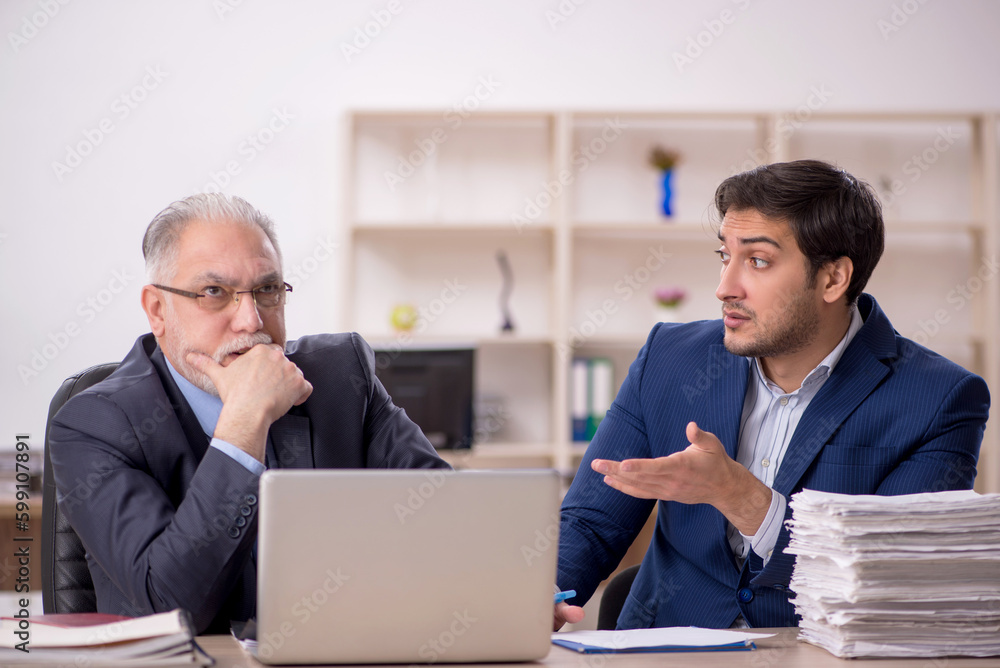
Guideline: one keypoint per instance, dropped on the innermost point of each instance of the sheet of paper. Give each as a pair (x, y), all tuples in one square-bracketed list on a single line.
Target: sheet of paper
[(675, 636)]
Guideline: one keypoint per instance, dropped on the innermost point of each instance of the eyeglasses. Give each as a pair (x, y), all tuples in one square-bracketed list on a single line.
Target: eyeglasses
[(216, 298)]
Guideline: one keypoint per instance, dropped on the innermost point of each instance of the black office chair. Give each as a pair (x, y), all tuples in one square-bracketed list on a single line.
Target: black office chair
[(66, 582), (613, 599)]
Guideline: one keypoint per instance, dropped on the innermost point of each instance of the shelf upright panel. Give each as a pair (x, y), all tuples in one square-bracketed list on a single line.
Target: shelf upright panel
[(561, 148), (986, 186), (775, 146), (349, 208)]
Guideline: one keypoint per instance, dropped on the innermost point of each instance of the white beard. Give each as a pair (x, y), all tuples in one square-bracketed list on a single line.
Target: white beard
[(183, 347)]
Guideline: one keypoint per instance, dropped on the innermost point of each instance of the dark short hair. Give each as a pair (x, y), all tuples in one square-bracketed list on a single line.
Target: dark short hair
[(832, 214)]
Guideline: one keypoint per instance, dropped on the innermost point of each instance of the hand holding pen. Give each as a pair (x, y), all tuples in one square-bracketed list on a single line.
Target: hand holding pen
[(564, 612)]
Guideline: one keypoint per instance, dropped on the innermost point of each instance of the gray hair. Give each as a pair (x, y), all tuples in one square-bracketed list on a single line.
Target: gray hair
[(159, 245)]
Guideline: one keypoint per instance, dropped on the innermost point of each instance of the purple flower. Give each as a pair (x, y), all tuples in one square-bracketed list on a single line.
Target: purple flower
[(670, 296)]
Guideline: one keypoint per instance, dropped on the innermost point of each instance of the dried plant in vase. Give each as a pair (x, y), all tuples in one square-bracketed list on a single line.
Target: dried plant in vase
[(665, 160)]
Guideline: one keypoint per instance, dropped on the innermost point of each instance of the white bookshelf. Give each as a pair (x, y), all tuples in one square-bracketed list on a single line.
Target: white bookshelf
[(570, 199)]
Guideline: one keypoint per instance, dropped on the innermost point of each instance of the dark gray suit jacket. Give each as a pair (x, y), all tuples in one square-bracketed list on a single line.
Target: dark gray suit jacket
[(169, 522)]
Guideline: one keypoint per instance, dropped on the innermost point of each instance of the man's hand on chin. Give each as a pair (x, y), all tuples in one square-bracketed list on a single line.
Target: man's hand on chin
[(256, 388)]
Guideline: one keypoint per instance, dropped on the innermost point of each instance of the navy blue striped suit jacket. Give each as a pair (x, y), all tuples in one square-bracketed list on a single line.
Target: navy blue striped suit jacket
[(893, 418)]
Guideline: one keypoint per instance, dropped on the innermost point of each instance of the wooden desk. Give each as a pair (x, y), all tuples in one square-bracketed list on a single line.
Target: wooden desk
[(781, 651)]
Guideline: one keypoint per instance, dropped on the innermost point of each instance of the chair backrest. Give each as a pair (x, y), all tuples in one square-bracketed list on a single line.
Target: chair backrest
[(613, 598), (66, 582)]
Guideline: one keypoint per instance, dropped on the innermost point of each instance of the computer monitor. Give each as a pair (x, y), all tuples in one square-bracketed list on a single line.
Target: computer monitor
[(434, 386)]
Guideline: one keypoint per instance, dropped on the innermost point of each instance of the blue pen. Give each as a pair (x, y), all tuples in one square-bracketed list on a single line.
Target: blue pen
[(563, 595)]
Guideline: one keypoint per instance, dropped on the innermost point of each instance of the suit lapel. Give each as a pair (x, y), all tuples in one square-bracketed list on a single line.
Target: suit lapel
[(292, 442), (856, 375), (721, 415), (196, 437), (725, 396)]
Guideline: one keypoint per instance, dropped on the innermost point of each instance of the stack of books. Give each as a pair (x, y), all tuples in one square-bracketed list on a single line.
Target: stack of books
[(96, 639), (592, 389), (897, 576)]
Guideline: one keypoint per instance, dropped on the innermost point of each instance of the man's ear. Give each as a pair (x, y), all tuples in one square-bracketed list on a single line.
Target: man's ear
[(153, 304), (835, 277)]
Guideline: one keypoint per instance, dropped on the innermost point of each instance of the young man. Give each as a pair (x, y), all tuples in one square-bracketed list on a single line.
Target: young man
[(803, 383), (157, 467)]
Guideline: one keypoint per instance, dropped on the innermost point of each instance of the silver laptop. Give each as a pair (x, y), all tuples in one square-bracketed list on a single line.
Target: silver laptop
[(358, 566)]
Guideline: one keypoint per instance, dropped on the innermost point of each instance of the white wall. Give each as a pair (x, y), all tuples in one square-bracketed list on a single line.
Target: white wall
[(72, 237)]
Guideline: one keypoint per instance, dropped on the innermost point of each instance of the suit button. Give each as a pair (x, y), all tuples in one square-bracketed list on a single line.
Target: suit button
[(745, 595), (234, 532), (251, 499), (245, 511), (241, 521)]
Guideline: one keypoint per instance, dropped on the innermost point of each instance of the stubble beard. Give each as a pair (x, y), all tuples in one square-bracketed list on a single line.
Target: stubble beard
[(794, 328)]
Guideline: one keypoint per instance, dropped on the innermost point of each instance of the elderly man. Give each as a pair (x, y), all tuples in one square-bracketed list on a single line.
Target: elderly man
[(803, 383), (180, 433)]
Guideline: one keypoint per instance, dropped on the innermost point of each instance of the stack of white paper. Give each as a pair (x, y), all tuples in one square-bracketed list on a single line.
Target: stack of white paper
[(913, 575)]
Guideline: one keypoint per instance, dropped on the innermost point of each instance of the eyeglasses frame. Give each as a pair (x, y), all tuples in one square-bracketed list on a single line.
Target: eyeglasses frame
[(235, 294)]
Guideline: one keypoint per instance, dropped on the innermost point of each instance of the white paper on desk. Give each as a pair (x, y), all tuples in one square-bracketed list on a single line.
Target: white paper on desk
[(671, 636), (915, 575)]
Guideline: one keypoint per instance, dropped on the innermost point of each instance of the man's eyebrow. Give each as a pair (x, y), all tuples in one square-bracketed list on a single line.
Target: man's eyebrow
[(272, 277), (746, 241), (213, 277)]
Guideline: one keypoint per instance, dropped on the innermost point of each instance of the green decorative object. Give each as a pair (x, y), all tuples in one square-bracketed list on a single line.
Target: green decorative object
[(403, 317)]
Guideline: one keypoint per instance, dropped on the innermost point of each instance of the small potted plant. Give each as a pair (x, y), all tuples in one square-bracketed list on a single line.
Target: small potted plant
[(668, 303), (665, 160)]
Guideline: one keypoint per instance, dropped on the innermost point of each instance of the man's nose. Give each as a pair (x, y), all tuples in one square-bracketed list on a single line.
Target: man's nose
[(730, 286), (247, 317)]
